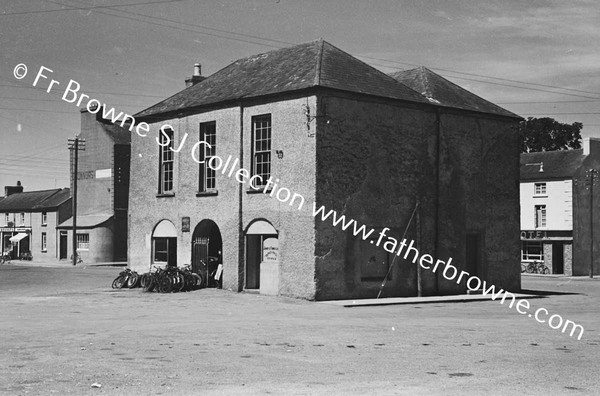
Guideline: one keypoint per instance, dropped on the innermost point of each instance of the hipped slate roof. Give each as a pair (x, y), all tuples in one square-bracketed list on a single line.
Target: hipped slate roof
[(440, 91), (560, 164), (314, 64), (35, 201)]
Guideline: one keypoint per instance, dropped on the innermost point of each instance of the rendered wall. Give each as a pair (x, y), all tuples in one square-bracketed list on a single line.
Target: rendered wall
[(375, 160), (295, 171)]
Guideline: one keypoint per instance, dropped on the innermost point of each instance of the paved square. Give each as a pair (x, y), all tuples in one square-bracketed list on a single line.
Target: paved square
[(64, 329)]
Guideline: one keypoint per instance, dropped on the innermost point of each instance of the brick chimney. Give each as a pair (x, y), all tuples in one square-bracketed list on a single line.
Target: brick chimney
[(10, 190), (196, 77)]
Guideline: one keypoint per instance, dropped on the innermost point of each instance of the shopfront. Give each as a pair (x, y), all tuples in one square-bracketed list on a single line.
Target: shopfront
[(15, 240), (553, 248)]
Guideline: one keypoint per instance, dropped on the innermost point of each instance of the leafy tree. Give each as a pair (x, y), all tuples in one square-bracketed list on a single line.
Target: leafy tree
[(547, 134)]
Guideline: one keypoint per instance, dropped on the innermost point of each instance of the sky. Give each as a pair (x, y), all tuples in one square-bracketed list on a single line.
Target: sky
[(534, 58)]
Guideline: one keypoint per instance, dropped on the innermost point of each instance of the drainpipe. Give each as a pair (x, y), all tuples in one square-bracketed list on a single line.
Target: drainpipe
[(241, 250), (437, 193)]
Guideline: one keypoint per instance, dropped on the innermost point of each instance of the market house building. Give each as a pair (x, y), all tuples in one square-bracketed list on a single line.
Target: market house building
[(338, 133), (102, 191), (556, 218), (28, 221)]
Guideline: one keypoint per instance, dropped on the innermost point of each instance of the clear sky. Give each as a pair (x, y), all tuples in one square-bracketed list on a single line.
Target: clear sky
[(535, 58)]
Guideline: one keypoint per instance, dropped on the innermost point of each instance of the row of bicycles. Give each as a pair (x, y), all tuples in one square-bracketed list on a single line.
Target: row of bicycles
[(162, 280), (534, 267)]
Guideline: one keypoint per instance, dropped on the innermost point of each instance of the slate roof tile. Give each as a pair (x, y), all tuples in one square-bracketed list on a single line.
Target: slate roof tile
[(34, 201), (560, 164), (313, 64), (440, 91)]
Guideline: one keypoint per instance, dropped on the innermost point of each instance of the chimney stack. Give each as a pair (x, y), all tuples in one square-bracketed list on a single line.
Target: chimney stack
[(196, 77), (10, 190)]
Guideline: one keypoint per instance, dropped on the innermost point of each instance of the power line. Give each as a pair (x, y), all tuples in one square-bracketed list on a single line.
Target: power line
[(88, 8), (366, 57)]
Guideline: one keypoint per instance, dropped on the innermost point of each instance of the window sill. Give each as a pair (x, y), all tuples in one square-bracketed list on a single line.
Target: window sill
[(209, 193), (165, 195), (541, 196), (252, 190)]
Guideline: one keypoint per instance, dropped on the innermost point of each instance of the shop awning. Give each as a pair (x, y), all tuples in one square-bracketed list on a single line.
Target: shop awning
[(18, 237)]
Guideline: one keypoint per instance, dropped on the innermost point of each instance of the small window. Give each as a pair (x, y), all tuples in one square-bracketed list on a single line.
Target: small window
[(44, 218), (6, 219), (261, 150), (540, 216), (532, 251), (22, 218), (44, 246), (165, 154), (164, 251), (540, 189), (208, 134), (83, 241)]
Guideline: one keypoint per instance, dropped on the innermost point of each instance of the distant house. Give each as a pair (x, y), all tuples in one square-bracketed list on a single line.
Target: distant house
[(336, 132), (102, 191), (556, 221), (28, 221)]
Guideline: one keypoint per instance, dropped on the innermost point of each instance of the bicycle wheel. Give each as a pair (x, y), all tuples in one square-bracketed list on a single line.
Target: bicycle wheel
[(164, 284), (546, 270), (531, 268), (150, 283), (133, 280), (118, 282)]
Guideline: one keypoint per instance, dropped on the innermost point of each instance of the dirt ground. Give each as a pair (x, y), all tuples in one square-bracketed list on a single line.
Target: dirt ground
[(64, 329)]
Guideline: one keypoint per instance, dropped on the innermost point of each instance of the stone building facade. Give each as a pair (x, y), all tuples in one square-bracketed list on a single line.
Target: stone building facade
[(102, 190), (557, 223), (326, 130)]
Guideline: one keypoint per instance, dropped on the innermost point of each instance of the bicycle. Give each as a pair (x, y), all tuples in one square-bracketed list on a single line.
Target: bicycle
[(77, 257), (128, 278), (5, 258), (537, 267)]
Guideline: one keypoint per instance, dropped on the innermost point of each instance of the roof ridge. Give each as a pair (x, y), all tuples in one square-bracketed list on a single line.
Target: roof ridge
[(319, 63)]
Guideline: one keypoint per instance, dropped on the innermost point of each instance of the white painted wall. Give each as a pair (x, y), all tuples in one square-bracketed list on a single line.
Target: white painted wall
[(559, 205)]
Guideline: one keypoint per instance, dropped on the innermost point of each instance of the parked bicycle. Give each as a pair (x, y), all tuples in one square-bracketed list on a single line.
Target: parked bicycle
[(128, 278), (26, 256), (537, 267), (171, 279), (77, 257), (5, 257)]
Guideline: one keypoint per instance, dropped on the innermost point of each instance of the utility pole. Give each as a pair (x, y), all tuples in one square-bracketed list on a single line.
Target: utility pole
[(591, 177), (75, 145)]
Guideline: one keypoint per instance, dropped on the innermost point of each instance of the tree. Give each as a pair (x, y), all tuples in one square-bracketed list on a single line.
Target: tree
[(547, 134)]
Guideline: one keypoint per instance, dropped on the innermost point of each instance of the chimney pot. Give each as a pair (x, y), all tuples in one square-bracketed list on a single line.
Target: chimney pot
[(197, 69)]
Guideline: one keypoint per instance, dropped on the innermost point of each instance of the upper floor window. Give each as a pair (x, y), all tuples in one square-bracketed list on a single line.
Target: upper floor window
[(6, 219), (22, 218), (261, 149), (208, 134), (44, 218), (540, 189), (165, 159), (540, 216)]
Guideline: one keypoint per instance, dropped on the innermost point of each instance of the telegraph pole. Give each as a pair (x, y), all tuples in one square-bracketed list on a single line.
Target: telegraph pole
[(75, 145), (591, 179)]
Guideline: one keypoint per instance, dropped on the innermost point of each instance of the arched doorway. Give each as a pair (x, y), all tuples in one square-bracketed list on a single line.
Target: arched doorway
[(261, 245), (207, 247), (164, 244)]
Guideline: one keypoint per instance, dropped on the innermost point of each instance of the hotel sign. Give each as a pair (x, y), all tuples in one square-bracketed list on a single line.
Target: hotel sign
[(534, 235)]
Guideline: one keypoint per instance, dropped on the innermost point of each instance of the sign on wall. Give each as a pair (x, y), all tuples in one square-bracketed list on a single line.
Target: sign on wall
[(185, 224), (271, 249)]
